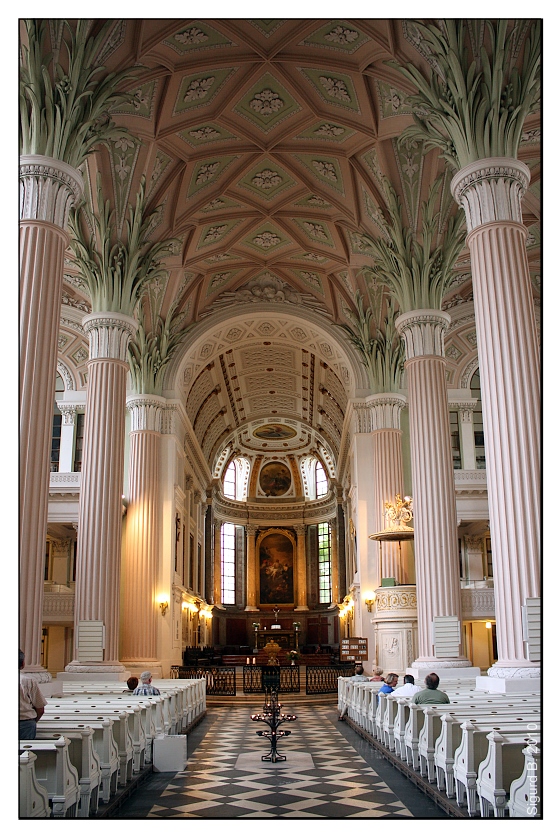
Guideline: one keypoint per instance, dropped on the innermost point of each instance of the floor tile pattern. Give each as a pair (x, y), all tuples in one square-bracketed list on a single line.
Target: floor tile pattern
[(225, 777)]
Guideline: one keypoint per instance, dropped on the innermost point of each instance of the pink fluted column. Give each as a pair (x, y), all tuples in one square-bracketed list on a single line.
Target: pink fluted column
[(436, 539), (100, 511), (142, 542), (388, 472), (48, 189), (490, 191)]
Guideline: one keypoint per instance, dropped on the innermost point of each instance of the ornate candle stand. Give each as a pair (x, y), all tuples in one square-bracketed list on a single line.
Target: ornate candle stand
[(272, 716)]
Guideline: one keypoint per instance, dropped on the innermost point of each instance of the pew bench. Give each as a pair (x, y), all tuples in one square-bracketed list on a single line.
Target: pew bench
[(104, 743), (86, 760), (471, 752), (55, 772), (525, 801), (502, 765), (33, 798)]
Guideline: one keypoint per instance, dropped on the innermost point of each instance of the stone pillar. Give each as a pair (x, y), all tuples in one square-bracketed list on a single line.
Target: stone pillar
[(251, 568), (490, 192), (100, 511), (66, 460), (217, 563), (436, 540), (466, 428), (48, 190), (143, 542), (388, 472), (300, 530)]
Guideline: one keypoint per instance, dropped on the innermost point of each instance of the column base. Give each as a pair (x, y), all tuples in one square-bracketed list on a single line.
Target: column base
[(250, 608), (39, 674), (520, 685), (137, 666), (447, 671), (300, 609), (103, 672)]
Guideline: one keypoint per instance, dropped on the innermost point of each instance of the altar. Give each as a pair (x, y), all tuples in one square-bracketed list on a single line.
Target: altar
[(287, 639)]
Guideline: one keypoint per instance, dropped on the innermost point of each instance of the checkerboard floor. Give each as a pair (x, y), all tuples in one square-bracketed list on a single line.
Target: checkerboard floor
[(329, 773)]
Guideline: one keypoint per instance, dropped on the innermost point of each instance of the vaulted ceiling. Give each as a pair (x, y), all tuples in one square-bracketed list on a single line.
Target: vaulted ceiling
[(264, 143)]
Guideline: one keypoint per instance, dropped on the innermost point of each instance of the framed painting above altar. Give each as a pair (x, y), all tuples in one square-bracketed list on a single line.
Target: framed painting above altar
[(276, 569)]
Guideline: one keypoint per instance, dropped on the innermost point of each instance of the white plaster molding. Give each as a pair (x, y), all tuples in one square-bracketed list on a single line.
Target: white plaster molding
[(478, 603), (109, 334), (423, 332), (465, 408), (66, 375), (396, 602), (58, 604), (65, 478), (491, 190), (378, 412), (100, 668), (68, 411), (48, 189), (463, 476), (145, 412)]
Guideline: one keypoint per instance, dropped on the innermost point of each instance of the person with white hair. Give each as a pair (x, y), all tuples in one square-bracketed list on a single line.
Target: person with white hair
[(145, 688)]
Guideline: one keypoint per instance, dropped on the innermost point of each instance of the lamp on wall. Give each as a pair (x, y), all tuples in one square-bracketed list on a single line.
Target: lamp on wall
[(369, 601), (164, 606)]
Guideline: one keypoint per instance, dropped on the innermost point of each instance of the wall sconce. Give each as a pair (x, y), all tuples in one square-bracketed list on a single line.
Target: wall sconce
[(164, 606), (369, 603), (488, 625)]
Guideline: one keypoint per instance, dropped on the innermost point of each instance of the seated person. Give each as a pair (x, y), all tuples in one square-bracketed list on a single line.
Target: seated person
[(376, 677), (131, 683), (389, 684), (409, 688), (359, 674), (431, 694)]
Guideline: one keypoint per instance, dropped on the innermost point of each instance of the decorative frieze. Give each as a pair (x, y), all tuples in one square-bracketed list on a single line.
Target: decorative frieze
[(465, 408), (109, 334), (58, 605), (478, 603), (423, 332), (49, 188), (491, 190), (396, 602)]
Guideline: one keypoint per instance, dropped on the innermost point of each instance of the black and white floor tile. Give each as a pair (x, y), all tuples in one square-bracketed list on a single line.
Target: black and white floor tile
[(330, 772)]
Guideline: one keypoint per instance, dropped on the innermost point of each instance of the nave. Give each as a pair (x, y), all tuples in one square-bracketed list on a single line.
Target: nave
[(330, 773)]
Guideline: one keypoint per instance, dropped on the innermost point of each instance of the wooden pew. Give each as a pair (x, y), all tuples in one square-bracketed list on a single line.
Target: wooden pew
[(525, 800), (123, 726), (432, 727), (104, 745), (33, 798), (470, 753), (86, 760), (54, 771), (502, 765)]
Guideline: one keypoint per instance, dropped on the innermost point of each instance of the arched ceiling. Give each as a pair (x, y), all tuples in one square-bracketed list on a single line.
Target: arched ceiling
[(264, 143)]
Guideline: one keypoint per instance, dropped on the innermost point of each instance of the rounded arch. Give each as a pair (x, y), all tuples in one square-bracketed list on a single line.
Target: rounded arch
[(216, 333)]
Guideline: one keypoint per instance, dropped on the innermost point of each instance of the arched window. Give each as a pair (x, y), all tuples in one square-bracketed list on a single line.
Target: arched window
[(235, 481), (320, 480), (324, 563), (315, 480)]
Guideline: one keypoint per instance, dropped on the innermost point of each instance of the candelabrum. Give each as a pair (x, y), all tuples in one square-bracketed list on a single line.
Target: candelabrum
[(273, 717)]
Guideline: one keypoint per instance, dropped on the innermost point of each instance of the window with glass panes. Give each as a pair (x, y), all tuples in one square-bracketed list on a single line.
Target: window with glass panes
[(321, 481), (475, 388), (55, 440), (228, 553), (230, 482), (455, 441), (324, 563), (78, 445)]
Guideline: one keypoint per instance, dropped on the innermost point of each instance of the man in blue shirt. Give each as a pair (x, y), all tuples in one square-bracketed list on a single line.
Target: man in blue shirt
[(145, 688)]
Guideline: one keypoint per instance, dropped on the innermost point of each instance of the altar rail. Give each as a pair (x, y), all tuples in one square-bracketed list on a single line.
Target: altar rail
[(324, 679), (254, 681), (220, 682)]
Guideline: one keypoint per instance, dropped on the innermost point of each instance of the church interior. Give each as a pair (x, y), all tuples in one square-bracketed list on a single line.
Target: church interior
[(280, 298)]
